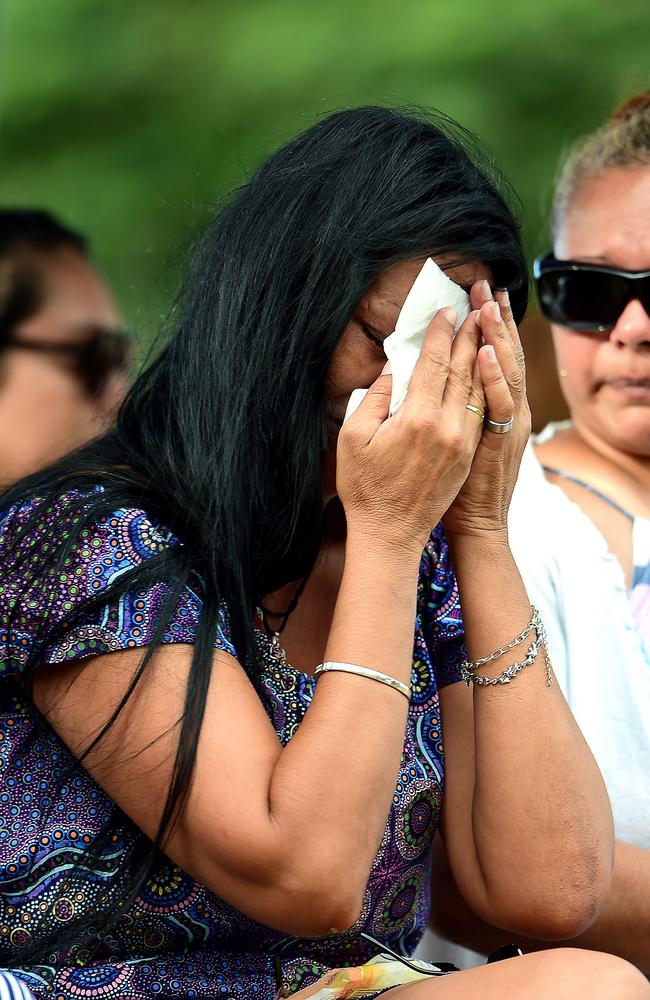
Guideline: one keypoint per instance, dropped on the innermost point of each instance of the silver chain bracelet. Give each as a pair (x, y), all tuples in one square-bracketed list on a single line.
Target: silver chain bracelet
[(468, 667)]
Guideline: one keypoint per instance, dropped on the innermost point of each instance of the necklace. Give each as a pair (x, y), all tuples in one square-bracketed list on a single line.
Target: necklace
[(277, 650)]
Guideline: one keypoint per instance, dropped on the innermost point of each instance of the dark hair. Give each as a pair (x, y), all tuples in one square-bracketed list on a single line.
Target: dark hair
[(222, 436), (25, 235)]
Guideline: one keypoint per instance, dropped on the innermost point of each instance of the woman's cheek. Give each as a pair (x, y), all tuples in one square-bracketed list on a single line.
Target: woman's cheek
[(575, 357)]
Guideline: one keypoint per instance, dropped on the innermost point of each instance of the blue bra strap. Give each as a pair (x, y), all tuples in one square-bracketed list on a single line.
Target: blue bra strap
[(591, 489)]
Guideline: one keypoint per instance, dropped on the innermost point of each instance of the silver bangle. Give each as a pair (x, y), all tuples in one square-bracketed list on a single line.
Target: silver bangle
[(367, 672), (468, 668)]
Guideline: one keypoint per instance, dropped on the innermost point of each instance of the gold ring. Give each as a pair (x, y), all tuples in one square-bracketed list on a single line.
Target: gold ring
[(475, 409)]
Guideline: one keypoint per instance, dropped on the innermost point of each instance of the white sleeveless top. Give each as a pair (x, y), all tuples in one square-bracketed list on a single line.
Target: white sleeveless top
[(596, 631)]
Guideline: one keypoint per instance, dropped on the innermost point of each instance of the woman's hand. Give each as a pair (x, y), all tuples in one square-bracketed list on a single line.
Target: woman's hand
[(482, 504), (396, 477)]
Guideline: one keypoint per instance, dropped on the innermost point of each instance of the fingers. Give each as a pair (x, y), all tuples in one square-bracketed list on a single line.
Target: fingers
[(373, 408), (502, 297), (477, 392), (429, 378), (463, 361), (498, 397), (506, 345), (479, 293), (475, 407)]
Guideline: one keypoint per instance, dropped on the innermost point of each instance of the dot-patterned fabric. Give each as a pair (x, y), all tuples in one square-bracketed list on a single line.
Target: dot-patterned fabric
[(58, 877)]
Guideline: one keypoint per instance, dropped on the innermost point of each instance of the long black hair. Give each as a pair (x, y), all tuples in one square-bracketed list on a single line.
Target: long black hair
[(221, 436)]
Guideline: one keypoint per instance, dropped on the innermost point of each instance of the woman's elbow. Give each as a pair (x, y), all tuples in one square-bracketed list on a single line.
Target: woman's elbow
[(558, 914), (333, 896), (576, 899), (318, 912), (316, 901), (560, 896), (291, 891), (338, 913)]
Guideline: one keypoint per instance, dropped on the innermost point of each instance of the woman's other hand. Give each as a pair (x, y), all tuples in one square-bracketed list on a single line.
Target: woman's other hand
[(482, 504)]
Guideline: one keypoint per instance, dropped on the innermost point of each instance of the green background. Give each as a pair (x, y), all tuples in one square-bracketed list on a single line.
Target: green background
[(129, 118)]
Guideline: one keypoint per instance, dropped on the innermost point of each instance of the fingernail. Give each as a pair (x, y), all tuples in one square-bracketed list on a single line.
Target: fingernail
[(449, 314), (492, 309), (485, 287), (505, 295), (386, 370), (489, 353)]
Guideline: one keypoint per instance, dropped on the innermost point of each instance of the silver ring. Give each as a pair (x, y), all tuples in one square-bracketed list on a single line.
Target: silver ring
[(499, 427)]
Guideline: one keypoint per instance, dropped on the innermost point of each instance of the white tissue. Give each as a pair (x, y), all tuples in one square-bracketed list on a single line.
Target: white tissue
[(431, 290)]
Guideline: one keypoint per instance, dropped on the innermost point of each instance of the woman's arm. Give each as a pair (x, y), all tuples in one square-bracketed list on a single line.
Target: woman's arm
[(622, 927), (526, 819), (286, 835), (289, 835)]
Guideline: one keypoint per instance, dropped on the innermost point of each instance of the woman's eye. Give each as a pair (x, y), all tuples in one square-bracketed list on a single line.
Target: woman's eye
[(371, 336)]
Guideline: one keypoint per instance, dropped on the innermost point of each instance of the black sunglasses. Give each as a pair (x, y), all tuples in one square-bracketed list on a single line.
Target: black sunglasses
[(587, 298), (95, 359)]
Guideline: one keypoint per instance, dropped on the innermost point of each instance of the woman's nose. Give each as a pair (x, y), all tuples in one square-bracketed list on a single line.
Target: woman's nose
[(633, 326)]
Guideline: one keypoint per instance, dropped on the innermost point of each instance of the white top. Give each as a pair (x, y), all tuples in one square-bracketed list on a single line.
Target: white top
[(597, 654), (596, 651)]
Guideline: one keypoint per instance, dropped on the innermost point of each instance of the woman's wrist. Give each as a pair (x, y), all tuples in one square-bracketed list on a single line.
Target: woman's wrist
[(488, 542), (392, 548), (376, 607), (484, 564), (384, 564)]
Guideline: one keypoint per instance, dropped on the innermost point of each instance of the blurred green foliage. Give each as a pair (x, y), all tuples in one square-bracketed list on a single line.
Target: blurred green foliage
[(129, 118)]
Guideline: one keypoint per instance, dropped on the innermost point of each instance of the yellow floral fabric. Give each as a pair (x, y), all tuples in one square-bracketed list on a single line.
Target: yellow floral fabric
[(379, 974)]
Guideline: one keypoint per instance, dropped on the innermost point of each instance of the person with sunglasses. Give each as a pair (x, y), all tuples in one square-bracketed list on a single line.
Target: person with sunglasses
[(583, 495), (63, 355)]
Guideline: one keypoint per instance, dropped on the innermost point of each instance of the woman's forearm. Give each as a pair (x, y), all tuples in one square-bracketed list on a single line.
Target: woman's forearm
[(295, 851), (332, 785), (540, 829)]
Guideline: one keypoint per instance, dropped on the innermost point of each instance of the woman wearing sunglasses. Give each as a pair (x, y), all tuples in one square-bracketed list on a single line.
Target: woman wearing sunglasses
[(584, 495), (63, 359), (239, 620)]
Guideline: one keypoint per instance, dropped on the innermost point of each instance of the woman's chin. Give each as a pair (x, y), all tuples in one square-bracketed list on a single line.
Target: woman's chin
[(629, 431)]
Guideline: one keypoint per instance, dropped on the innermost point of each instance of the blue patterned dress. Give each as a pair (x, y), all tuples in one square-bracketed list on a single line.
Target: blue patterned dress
[(178, 939)]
